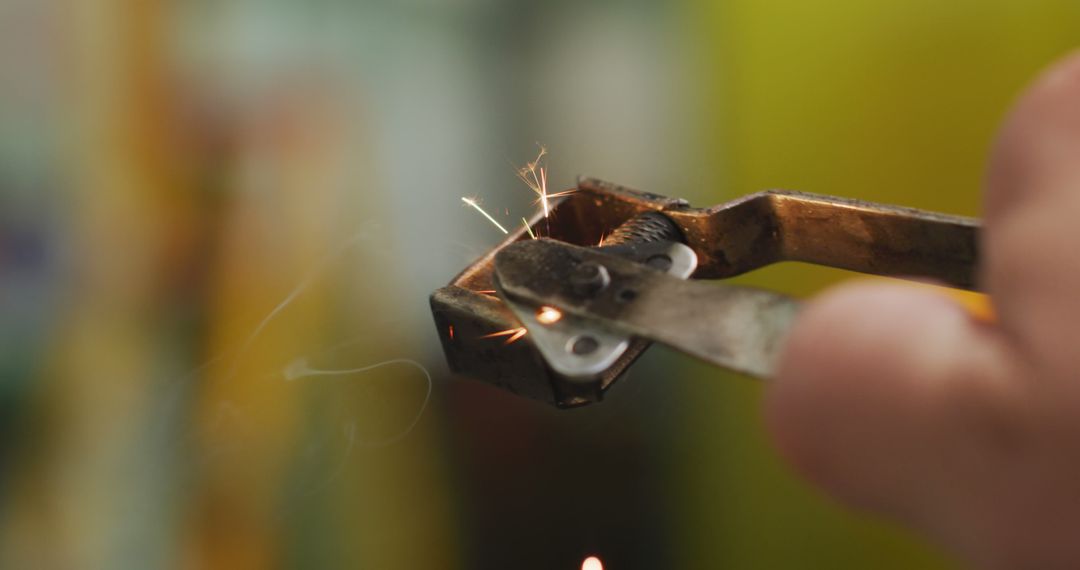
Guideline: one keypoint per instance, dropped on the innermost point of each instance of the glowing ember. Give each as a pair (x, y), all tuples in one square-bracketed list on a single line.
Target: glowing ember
[(592, 563), (548, 315), (472, 202), (451, 331)]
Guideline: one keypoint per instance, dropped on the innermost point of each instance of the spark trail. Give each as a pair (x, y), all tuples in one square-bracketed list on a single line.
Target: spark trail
[(534, 175), (300, 368), (472, 202)]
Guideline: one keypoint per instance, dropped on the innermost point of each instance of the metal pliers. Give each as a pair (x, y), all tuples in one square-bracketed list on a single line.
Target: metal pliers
[(617, 269)]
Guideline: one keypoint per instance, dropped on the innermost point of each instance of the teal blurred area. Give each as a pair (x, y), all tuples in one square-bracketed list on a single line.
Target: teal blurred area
[(220, 221)]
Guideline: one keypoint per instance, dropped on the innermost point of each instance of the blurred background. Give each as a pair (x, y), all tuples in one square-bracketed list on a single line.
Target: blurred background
[(216, 216)]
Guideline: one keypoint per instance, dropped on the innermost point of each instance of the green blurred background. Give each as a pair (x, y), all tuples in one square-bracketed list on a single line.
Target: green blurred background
[(214, 214)]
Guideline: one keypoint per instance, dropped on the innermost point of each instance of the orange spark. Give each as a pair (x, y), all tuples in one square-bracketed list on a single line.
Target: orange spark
[(472, 202), (451, 332), (592, 563), (543, 187), (486, 291), (513, 338), (563, 193), (548, 315), (534, 175), (601, 244), (514, 334), (506, 332)]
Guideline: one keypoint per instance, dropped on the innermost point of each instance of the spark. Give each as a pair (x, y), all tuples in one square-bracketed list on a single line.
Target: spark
[(451, 332), (513, 334), (534, 175), (472, 202), (592, 563), (548, 315), (513, 338), (601, 244), (486, 291), (543, 188), (506, 332), (563, 193), (528, 228)]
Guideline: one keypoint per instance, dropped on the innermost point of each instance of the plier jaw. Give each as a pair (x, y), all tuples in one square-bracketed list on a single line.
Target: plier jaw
[(469, 311)]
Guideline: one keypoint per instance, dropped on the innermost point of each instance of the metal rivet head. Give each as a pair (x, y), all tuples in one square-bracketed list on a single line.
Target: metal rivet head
[(589, 278), (583, 345), (659, 261)]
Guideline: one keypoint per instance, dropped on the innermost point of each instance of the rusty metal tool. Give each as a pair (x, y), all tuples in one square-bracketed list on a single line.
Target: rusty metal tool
[(590, 310)]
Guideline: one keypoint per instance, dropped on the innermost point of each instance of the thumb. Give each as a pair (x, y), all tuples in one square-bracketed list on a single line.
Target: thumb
[(896, 399), (888, 396)]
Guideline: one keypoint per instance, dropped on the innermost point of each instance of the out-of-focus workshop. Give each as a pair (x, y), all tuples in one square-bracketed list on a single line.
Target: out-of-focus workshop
[(469, 284)]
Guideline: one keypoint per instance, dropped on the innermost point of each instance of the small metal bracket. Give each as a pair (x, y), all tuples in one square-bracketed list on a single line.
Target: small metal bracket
[(739, 328), (580, 348)]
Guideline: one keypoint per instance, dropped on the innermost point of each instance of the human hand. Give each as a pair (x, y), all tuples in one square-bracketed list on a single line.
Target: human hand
[(897, 400)]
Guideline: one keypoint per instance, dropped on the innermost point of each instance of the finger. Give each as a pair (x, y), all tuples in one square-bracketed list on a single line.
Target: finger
[(871, 378), (1031, 265), (1037, 144), (898, 400)]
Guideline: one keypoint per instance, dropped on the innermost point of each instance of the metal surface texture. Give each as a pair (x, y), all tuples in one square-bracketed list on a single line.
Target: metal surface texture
[(727, 240)]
